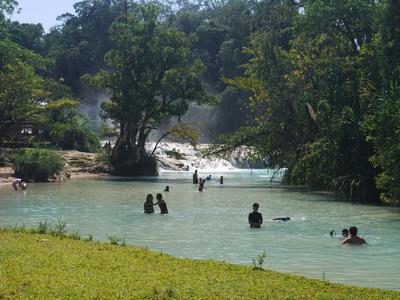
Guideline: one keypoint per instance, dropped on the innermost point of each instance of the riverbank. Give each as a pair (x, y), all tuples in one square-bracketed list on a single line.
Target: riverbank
[(77, 164), (45, 266)]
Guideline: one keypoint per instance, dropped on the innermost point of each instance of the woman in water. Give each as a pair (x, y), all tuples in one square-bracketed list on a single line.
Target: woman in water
[(148, 205)]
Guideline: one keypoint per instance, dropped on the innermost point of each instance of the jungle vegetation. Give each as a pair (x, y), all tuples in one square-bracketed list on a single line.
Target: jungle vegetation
[(312, 85)]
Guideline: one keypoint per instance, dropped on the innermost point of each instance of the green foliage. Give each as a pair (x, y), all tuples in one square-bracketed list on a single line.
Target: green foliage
[(116, 240), (43, 227), (316, 76), (133, 272), (36, 164), (151, 80), (60, 228), (259, 261), (74, 135)]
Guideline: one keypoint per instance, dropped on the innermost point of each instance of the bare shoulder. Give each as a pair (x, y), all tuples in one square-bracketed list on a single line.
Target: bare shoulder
[(346, 241)]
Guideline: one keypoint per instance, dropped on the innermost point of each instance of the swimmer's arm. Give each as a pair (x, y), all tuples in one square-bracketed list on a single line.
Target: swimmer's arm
[(261, 219), (345, 241)]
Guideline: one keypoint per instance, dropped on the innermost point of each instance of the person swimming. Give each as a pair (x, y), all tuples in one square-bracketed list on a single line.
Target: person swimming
[(208, 178), (255, 217), (353, 239), (148, 205), (162, 204), (281, 219), (166, 188), (345, 233)]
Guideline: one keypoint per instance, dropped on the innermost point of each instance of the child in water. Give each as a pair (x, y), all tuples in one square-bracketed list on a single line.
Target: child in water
[(162, 204), (255, 218), (201, 184), (148, 205)]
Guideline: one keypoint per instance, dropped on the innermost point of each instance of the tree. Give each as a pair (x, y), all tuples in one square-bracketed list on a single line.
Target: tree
[(151, 80)]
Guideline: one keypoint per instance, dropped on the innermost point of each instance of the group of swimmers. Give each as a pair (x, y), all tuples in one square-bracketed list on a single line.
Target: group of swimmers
[(201, 181), (149, 204), (349, 236)]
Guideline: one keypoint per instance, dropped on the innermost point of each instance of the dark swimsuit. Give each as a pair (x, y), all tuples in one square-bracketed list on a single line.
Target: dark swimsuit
[(163, 208), (148, 208), (255, 219)]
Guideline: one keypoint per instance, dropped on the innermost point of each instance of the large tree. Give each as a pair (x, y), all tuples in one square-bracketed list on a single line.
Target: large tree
[(152, 78)]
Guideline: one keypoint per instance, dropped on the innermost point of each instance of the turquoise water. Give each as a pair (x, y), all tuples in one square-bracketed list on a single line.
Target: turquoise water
[(213, 224)]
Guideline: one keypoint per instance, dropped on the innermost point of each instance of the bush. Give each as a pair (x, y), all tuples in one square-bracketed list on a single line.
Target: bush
[(74, 136), (36, 164)]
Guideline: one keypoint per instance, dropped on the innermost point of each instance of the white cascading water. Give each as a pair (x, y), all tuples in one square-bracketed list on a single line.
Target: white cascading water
[(185, 157)]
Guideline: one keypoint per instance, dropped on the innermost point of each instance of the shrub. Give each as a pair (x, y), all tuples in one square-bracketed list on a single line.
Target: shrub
[(116, 240), (36, 164), (74, 136), (259, 261)]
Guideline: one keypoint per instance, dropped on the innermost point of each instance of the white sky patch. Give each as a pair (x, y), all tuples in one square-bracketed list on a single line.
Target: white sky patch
[(43, 11)]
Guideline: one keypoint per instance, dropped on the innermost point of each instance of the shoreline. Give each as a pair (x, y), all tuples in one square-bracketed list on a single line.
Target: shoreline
[(7, 178)]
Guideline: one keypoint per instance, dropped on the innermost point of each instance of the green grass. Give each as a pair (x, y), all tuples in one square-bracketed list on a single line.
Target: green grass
[(79, 269)]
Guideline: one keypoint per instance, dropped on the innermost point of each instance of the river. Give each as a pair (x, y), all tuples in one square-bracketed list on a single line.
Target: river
[(213, 224)]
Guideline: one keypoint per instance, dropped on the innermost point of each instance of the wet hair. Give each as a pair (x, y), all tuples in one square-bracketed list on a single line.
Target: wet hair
[(353, 230), (345, 232), (256, 205), (149, 197), (159, 196)]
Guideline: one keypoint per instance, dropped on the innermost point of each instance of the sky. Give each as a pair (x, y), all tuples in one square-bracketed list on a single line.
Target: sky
[(43, 11)]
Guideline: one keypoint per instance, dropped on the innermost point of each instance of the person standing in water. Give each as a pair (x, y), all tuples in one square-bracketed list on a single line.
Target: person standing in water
[(221, 180), (201, 184), (162, 204), (166, 188), (195, 177), (148, 205), (353, 238), (255, 217)]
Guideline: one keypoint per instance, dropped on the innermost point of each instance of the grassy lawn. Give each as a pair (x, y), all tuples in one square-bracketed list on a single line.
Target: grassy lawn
[(78, 269)]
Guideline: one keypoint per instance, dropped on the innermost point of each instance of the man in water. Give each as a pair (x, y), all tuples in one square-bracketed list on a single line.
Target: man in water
[(208, 178), (195, 177), (353, 238), (166, 188), (255, 218), (221, 180)]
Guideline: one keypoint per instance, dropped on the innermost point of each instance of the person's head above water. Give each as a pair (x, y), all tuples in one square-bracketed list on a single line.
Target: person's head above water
[(353, 230), (166, 188), (149, 198), (159, 196), (256, 206), (345, 232)]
